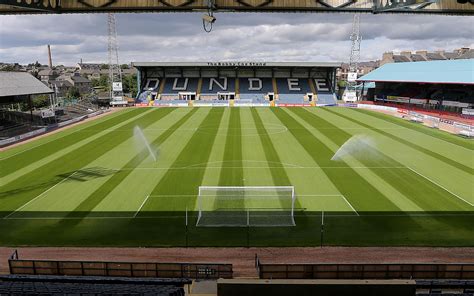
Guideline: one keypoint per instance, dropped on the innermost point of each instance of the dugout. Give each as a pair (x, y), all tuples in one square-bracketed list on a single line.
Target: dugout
[(446, 85)]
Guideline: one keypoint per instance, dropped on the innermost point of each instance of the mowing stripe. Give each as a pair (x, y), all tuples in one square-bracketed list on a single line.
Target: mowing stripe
[(444, 188), (442, 158), (233, 158), (441, 135), (449, 161), (233, 152), (22, 189), (279, 175), (297, 213), (100, 193), (39, 196), (60, 134), (15, 162), (188, 181), (348, 182), (412, 186), (56, 154), (263, 167)]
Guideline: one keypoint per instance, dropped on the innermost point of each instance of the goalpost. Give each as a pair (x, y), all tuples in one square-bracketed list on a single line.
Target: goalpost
[(243, 206)]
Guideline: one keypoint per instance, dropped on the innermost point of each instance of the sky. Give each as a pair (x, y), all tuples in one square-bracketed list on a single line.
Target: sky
[(275, 37)]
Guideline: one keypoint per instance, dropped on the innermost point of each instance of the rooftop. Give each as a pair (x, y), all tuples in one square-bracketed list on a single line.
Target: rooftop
[(440, 72), (237, 64), (21, 83)]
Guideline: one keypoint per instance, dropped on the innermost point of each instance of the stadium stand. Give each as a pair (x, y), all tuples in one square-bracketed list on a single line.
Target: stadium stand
[(444, 86), (292, 90), (255, 89), (246, 83), (72, 285), (19, 119)]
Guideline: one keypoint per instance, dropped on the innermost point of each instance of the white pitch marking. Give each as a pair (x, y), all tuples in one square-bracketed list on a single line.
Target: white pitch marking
[(259, 167), (345, 199), (405, 214), (39, 196), (141, 206), (441, 186)]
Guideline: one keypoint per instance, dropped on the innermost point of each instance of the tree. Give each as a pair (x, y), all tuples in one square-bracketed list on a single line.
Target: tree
[(73, 93), (124, 66), (104, 66), (130, 84), (40, 101), (8, 68)]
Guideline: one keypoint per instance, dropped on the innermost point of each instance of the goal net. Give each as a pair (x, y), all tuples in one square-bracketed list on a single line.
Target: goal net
[(237, 206)]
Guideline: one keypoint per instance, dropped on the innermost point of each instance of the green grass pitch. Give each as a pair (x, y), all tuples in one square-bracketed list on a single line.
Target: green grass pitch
[(96, 185)]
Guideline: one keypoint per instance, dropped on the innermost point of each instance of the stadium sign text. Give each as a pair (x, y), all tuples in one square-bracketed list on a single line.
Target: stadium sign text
[(236, 64)]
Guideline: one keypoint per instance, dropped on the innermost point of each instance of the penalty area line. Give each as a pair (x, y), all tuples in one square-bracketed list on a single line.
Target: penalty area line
[(441, 186), (141, 206), (39, 196), (348, 203)]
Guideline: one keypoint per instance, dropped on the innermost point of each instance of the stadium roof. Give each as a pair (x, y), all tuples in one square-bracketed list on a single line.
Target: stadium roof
[(460, 7), (21, 83), (238, 64), (435, 72)]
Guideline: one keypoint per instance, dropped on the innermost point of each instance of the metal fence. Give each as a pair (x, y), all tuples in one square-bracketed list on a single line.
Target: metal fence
[(366, 271), (121, 269)]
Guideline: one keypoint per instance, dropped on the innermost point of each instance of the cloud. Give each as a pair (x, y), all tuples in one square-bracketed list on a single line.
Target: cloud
[(239, 36)]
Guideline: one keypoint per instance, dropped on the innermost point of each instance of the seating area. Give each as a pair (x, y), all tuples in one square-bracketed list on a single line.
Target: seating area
[(10, 129), (327, 99), (60, 285), (246, 90)]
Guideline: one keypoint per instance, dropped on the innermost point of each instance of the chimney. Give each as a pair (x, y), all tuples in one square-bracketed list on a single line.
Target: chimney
[(50, 60)]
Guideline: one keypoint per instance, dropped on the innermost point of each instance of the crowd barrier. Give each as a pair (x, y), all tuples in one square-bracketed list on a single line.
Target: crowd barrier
[(448, 125), (47, 129), (366, 271), (120, 269)]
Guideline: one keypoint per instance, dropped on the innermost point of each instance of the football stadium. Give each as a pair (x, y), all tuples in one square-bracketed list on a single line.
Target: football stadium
[(242, 178)]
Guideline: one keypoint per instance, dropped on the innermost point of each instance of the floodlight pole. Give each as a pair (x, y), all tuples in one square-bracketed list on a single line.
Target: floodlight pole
[(115, 72), (351, 83)]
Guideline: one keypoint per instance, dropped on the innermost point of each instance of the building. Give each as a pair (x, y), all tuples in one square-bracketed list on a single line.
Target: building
[(17, 88), (363, 69), (47, 76), (240, 82), (446, 85), (61, 87), (84, 85), (424, 55)]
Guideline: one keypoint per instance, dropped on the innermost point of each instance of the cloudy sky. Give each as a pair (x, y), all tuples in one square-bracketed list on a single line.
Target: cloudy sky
[(247, 37)]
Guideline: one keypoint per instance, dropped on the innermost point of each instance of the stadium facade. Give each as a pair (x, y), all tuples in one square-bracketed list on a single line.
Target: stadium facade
[(433, 85), (236, 83)]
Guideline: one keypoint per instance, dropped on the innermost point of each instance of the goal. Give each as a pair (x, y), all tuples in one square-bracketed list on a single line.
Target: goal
[(243, 206)]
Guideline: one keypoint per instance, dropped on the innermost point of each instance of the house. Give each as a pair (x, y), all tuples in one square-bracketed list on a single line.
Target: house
[(424, 55), (61, 87), (47, 76), (84, 85)]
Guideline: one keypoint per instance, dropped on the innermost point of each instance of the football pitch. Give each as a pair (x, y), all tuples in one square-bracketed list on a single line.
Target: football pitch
[(360, 178)]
